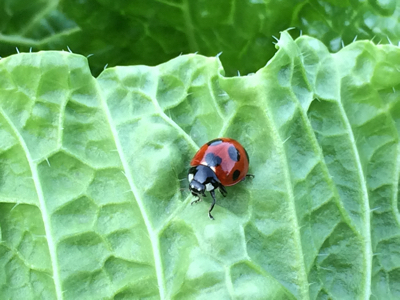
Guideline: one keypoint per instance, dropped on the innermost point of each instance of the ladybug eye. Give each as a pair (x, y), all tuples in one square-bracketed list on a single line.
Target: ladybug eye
[(196, 187)]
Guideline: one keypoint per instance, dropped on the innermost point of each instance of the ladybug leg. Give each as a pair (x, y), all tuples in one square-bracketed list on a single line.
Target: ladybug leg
[(222, 190), (195, 201), (248, 175), (212, 205)]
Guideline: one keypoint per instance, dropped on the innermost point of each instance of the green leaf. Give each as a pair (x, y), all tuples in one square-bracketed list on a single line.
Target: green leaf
[(93, 191), (146, 32)]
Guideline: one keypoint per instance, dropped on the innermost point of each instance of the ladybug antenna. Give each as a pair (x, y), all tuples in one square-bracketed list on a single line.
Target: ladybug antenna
[(212, 205)]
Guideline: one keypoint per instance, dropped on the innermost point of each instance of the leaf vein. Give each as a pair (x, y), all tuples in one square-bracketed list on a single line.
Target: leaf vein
[(42, 205), (303, 286), (135, 191)]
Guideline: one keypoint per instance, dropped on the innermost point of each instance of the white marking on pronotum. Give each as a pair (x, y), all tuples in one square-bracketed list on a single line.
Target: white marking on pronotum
[(209, 187), (190, 177)]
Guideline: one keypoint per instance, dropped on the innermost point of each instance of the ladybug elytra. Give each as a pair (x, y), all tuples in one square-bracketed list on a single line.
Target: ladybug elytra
[(219, 163)]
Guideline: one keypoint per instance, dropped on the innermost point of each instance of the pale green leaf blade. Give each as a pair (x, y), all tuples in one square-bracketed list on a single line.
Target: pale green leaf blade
[(93, 190)]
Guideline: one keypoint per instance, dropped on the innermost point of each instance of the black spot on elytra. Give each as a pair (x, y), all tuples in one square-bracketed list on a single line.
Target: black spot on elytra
[(214, 142), (235, 175), (234, 153), (212, 160)]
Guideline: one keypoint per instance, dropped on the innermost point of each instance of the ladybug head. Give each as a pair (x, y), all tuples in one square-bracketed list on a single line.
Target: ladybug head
[(202, 178), (197, 188)]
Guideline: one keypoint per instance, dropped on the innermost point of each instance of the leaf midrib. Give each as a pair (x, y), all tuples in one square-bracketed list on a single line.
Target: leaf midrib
[(303, 288)]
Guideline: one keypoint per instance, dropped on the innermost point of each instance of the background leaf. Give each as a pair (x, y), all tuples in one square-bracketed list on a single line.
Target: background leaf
[(94, 200), (145, 32)]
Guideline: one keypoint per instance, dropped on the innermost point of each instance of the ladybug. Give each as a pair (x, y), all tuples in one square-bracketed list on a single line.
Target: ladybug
[(219, 163)]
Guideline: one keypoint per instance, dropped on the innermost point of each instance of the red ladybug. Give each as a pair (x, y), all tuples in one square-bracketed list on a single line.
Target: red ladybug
[(219, 163)]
